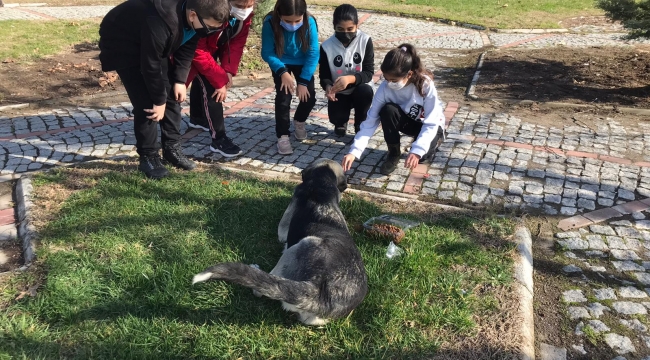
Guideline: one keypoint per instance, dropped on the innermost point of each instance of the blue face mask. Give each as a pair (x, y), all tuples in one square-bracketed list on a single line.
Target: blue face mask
[(289, 27)]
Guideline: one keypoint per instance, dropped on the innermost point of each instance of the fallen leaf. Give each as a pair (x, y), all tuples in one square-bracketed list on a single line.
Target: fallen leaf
[(225, 183)]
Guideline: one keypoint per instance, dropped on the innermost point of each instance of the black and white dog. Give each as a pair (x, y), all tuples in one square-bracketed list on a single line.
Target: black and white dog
[(320, 274)]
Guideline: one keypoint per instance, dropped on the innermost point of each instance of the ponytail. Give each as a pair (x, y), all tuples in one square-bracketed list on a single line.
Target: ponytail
[(402, 59)]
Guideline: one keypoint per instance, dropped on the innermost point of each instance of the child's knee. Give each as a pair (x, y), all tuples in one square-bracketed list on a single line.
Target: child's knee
[(388, 111)]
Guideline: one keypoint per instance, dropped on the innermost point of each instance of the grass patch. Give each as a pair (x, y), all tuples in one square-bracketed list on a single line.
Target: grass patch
[(117, 258), (31, 40), (491, 13)]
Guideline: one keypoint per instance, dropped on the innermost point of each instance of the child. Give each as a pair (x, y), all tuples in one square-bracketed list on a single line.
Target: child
[(151, 44), (406, 102), (209, 88), (290, 46), (346, 69)]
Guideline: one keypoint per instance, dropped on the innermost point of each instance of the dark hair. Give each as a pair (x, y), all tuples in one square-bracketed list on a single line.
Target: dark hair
[(345, 12), (219, 10), (290, 8), (399, 61)]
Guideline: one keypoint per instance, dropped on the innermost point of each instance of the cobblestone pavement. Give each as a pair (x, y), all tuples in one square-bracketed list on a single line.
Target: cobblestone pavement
[(487, 159), (610, 265)]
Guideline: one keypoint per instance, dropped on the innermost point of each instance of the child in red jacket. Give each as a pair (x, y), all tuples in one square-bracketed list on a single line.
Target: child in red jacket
[(211, 79)]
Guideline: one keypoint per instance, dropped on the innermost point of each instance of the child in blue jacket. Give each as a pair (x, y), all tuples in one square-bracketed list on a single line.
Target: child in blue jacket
[(290, 47)]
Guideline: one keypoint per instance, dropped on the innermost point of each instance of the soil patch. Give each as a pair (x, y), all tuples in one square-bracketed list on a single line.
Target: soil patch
[(73, 73), (610, 76)]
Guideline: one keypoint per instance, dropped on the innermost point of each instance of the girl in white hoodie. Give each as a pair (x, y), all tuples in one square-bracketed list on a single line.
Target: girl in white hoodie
[(406, 102)]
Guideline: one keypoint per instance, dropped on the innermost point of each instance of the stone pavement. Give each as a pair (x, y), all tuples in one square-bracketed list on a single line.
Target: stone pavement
[(596, 173)]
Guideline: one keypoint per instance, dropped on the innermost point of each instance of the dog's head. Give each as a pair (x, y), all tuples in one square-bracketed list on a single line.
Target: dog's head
[(315, 169)]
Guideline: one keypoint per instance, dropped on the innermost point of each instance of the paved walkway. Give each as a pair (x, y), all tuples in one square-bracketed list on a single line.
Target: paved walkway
[(585, 172)]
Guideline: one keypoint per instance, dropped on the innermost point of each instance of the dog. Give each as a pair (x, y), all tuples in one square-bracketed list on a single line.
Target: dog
[(320, 275)]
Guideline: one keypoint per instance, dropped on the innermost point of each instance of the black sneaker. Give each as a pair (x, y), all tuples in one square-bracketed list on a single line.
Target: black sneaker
[(152, 167), (199, 123), (225, 147), (433, 146), (174, 155), (341, 130)]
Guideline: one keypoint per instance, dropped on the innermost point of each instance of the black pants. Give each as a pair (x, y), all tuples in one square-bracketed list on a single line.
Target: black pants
[(283, 103), (394, 120), (359, 100), (146, 131), (203, 106)]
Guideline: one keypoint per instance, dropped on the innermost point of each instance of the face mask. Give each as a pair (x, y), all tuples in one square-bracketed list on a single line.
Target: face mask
[(290, 28), (345, 37), (240, 14), (396, 85)]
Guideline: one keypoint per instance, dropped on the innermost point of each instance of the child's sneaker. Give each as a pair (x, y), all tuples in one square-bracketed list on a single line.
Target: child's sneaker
[(341, 130), (299, 130), (198, 123), (225, 147), (284, 145)]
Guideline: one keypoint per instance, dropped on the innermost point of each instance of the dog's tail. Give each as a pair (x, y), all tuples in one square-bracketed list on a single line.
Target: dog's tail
[(299, 293)]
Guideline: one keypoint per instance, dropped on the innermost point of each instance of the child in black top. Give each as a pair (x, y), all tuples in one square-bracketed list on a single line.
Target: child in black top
[(150, 43), (346, 70)]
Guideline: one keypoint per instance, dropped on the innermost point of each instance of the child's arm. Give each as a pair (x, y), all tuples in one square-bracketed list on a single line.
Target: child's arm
[(206, 65), (153, 39), (268, 49), (368, 65), (231, 58), (433, 117), (183, 60), (311, 59), (324, 71), (370, 125)]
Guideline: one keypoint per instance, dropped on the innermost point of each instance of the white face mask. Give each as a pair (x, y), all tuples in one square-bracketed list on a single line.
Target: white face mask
[(396, 85), (240, 14)]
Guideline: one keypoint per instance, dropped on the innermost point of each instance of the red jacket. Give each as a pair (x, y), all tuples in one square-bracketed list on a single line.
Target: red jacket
[(228, 50)]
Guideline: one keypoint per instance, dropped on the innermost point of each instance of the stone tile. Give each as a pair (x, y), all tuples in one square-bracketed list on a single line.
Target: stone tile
[(573, 296), (629, 308), (578, 312), (624, 254), (620, 344), (631, 292), (602, 229)]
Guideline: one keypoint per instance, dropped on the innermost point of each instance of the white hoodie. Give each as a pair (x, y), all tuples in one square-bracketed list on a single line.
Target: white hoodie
[(427, 109)]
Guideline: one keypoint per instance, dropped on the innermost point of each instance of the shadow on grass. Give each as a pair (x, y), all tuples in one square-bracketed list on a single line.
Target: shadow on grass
[(121, 255)]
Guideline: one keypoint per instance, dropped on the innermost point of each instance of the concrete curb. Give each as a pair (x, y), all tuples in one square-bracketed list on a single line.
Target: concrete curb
[(523, 273), (14, 106), (24, 206), (472, 85)]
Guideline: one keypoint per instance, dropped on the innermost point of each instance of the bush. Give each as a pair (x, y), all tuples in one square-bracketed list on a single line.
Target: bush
[(262, 8), (634, 14)]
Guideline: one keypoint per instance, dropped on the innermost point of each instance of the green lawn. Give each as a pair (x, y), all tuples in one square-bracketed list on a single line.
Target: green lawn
[(117, 259), (30, 40), (491, 13)]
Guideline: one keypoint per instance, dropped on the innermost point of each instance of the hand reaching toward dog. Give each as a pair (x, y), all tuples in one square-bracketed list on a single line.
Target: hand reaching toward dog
[(347, 161)]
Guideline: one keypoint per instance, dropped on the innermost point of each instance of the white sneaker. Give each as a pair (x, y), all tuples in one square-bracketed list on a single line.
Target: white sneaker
[(284, 145), (299, 130)]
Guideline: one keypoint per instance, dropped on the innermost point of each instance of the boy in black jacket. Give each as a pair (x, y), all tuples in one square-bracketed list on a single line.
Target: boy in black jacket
[(151, 43)]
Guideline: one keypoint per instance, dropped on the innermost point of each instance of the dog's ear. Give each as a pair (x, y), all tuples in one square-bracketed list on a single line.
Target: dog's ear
[(342, 182)]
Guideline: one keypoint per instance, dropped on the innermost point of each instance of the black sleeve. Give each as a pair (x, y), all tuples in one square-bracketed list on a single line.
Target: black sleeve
[(154, 37), (368, 65), (183, 60), (324, 70)]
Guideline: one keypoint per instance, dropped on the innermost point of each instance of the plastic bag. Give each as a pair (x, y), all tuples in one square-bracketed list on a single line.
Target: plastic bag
[(393, 251)]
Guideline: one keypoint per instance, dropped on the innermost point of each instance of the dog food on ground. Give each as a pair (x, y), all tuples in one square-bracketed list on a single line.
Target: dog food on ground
[(392, 232)]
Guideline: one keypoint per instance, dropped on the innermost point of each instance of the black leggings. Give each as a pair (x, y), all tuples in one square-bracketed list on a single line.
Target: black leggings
[(359, 100), (283, 103), (394, 120)]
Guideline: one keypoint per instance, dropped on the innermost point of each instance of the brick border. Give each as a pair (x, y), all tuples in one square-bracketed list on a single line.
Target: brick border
[(603, 214)]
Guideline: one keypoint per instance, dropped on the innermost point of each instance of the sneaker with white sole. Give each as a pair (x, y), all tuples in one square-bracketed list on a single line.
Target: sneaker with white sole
[(284, 145), (299, 130), (198, 123), (225, 147)]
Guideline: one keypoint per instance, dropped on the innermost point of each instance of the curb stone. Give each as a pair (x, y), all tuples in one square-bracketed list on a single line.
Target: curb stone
[(472, 85), (523, 273), (24, 206)]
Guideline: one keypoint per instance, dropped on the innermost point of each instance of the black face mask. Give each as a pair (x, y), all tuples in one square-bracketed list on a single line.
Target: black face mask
[(345, 37)]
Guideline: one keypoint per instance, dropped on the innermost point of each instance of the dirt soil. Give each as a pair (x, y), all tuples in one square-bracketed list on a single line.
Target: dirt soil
[(613, 76)]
